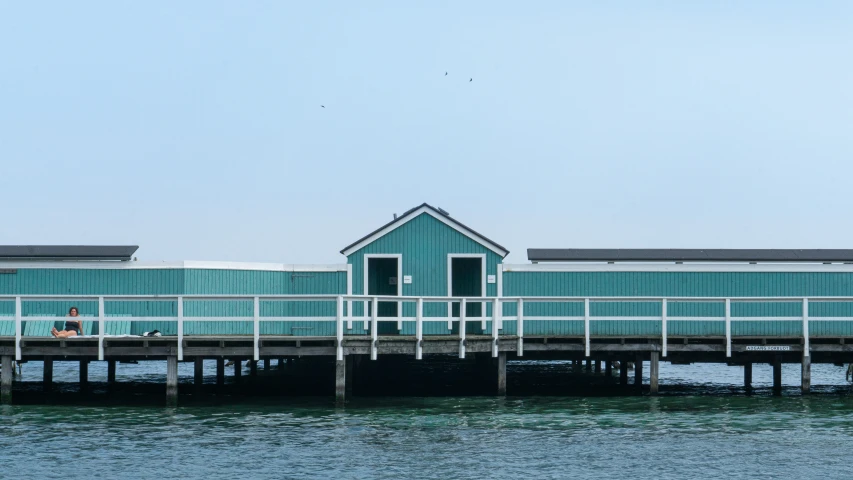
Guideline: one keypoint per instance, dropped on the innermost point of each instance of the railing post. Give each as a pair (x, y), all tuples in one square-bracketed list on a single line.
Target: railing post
[(462, 329), (18, 329), (374, 331), (728, 327), (256, 328), (400, 314), (520, 328), (586, 326), (496, 314), (806, 346), (180, 329), (366, 316), (419, 330), (349, 315), (339, 324), (100, 328), (450, 315), (484, 307), (663, 327)]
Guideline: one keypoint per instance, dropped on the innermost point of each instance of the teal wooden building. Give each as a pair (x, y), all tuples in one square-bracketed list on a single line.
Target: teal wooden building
[(427, 253)]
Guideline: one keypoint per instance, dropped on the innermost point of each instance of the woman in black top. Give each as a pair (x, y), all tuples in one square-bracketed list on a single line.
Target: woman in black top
[(72, 327)]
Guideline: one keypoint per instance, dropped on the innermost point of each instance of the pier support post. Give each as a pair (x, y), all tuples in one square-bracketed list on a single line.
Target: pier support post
[(172, 380), (638, 371), (747, 376), (198, 372), (238, 370), (806, 384), (253, 368), (266, 364), (6, 380), (777, 375), (654, 366), (220, 372), (84, 375), (341, 380), (350, 375), (608, 368), (501, 363), (598, 366), (623, 371), (588, 365), (47, 375), (111, 372)]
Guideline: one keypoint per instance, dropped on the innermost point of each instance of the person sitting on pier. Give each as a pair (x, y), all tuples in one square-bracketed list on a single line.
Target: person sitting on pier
[(72, 328)]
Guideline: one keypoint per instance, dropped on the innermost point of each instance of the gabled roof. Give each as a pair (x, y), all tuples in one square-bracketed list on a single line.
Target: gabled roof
[(67, 252), (435, 213), (686, 255)]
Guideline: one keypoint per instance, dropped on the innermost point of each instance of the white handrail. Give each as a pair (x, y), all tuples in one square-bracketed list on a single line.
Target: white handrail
[(256, 329), (496, 317), (462, 329), (101, 328), (339, 324), (180, 329), (663, 321)]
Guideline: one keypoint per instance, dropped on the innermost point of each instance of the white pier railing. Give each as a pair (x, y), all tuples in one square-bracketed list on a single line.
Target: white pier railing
[(344, 316)]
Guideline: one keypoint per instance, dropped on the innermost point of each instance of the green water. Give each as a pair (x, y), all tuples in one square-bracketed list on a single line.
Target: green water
[(438, 438), (704, 425)]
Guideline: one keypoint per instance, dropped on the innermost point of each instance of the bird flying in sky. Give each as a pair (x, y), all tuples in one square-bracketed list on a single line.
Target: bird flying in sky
[(322, 106)]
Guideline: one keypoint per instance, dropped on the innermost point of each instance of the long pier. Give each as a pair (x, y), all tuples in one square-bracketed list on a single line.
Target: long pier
[(493, 336)]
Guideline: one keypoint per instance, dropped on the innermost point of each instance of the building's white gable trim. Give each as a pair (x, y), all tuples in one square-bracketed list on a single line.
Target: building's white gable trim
[(408, 218)]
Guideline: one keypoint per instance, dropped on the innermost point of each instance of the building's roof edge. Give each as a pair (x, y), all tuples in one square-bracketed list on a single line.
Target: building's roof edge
[(435, 212), (687, 255), (67, 252)]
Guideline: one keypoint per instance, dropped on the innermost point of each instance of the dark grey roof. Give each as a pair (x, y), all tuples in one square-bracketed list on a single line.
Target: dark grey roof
[(438, 211), (686, 255), (67, 252)]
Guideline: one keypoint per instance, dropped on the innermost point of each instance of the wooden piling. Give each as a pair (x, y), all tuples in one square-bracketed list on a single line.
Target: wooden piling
[(806, 384), (253, 368), (266, 364), (598, 366), (220, 372), (198, 372), (341, 380), (777, 375), (638, 371), (238, 369), (608, 368), (84, 375), (47, 374), (501, 364), (623, 371), (350, 376), (6, 379), (172, 380), (588, 365), (653, 372), (747, 376), (111, 372)]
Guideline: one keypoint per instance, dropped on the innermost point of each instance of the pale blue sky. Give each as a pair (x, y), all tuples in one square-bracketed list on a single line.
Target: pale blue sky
[(194, 129)]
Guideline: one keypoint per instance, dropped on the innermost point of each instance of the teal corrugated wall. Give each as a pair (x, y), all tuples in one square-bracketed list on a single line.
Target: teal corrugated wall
[(682, 284), (424, 243), (133, 281)]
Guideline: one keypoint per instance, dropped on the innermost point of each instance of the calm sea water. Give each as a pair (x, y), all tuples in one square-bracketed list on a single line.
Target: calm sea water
[(702, 426)]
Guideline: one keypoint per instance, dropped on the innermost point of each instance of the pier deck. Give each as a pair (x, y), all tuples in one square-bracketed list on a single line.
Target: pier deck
[(490, 334)]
